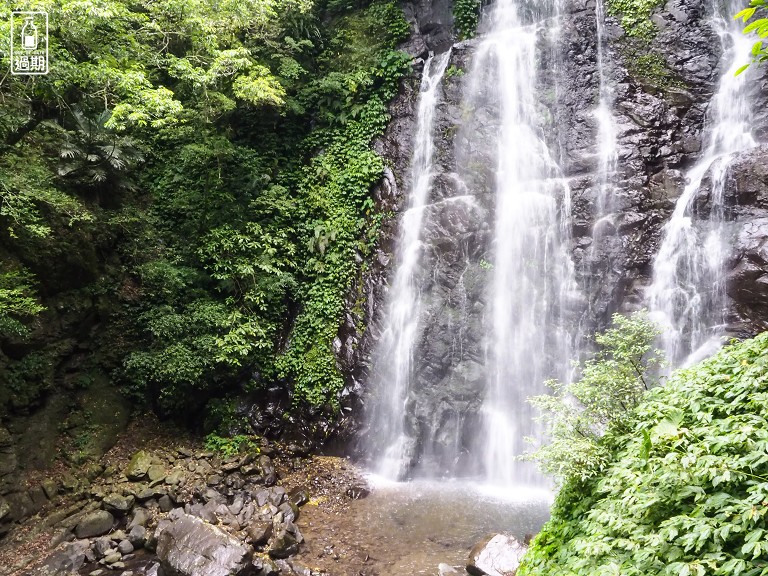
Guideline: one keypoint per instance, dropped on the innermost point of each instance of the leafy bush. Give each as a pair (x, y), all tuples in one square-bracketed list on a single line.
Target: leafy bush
[(610, 386), (758, 26), (466, 15), (231, 446), (18, 302), (684, 490)]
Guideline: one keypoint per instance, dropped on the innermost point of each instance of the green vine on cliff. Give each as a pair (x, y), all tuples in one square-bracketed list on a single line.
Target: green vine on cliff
[(466, 16), (635, 17)]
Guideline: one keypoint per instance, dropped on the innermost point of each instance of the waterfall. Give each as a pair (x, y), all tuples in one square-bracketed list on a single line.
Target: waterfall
[(532, 273), (687, 294), (598, 267), (393, 365), (608, 153), (478, 311)]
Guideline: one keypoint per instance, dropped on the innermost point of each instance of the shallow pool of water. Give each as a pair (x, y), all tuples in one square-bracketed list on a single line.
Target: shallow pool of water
[(410, 528)]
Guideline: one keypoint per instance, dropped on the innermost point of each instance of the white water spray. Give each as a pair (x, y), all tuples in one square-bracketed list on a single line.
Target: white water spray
[(687, 295), (532, 271)]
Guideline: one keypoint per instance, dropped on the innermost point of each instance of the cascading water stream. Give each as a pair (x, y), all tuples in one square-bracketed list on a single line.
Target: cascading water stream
[(606, 126), (687, 295), (478, 314), (532, 271), (394, 365), (598, 267)]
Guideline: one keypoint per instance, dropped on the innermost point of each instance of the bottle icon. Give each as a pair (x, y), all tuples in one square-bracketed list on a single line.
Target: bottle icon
[(29, 35)]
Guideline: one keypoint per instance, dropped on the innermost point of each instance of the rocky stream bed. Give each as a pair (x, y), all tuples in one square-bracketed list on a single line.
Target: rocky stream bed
[(160, 504)]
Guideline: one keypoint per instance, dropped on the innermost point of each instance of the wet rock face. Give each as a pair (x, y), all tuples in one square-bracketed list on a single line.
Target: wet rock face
[(660, 135), (746, 196)]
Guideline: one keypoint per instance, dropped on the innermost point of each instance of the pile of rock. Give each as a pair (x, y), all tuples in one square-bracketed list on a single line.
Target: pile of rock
[(183, 514)]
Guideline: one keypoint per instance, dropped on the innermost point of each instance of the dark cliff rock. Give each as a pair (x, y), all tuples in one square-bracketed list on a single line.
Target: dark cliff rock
[(660, 114)]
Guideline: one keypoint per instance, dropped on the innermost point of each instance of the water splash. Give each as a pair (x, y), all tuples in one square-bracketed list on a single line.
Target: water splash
[(687, 295)]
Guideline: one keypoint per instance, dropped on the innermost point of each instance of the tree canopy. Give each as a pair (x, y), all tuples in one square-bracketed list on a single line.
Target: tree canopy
[(209, 166)]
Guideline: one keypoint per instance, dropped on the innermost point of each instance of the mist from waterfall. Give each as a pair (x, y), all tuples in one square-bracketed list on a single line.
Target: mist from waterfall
[(687, 294)]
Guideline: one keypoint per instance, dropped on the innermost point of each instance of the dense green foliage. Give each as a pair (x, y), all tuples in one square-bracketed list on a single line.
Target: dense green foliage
[(685, 488), (758, 26), (207, 167), (466, 16), (610, 386), (635, 16)]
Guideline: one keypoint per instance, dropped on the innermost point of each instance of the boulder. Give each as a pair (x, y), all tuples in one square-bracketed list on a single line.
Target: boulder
[(94, 524), (137, 536), (259, 532), (188, 546), (68, 559), (118, 504), (497, 555), (138, 466)]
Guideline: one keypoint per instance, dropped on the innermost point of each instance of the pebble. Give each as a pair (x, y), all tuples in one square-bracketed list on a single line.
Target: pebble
[(125, 547)]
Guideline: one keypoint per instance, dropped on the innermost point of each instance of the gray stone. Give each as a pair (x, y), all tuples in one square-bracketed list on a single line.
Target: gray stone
[(137, 536), (94, 524), (165, 503), (118, 503), (259, 532), (113, 557), (51, 488), (299, 496), (67, 559), (290, 511), (267, 470), (125, 547), (101, 546), (261, 497), (155, 473), (188, 546), (139, 518), (283, 544), (175, 477), (497, 555), (276, 495), (138, 466)]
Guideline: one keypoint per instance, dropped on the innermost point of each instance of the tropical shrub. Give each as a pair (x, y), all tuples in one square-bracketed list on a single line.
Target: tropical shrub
[(684, 490)]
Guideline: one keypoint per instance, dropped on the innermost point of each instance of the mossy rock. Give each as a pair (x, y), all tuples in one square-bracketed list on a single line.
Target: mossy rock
[(138, 466)]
